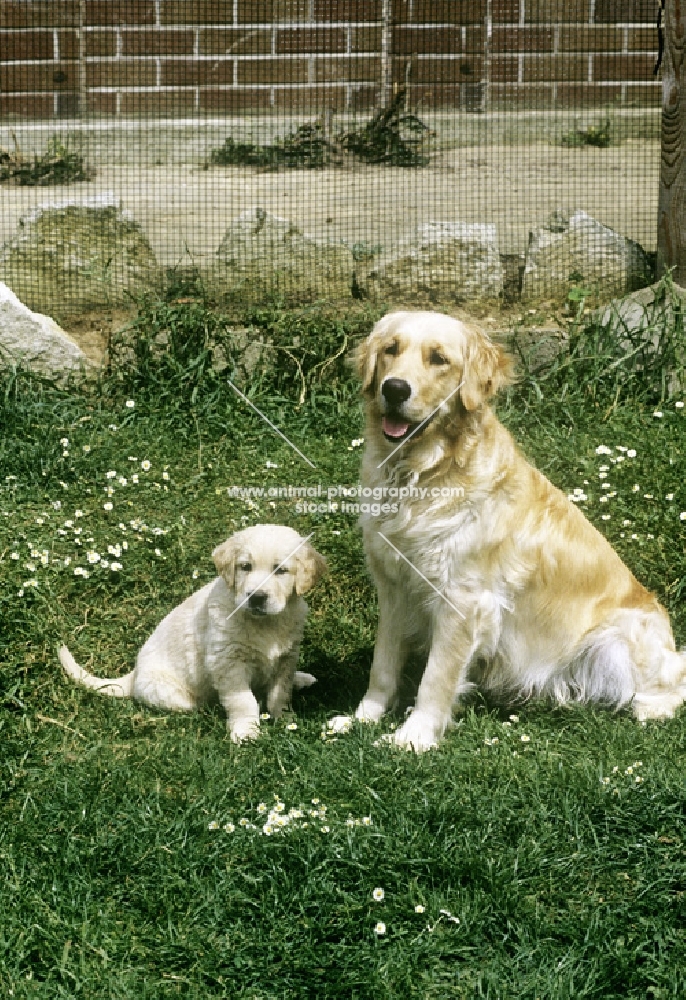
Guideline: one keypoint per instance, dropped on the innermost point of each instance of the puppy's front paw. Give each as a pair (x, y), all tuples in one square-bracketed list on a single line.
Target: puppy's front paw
[(244, 729), (418, 733), (301, 679)]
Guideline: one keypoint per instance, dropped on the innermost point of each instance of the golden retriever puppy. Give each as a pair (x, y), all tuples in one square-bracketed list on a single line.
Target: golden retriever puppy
[(484, 565), (238, 635)]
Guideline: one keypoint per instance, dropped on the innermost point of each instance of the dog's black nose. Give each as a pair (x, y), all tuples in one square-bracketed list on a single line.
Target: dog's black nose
[(257, 601), (395, 391)]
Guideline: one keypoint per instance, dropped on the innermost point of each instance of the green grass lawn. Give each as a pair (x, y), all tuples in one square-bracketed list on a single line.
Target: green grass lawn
[(538, 853)]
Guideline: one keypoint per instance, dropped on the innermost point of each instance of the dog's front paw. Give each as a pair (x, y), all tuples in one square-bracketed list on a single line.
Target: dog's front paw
[(367, 711), (370, 709), (419, 733), (339, 724), (243, 730)]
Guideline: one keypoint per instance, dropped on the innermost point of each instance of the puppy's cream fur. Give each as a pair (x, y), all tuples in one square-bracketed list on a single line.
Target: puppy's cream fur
[(237, 635), (508, 585)]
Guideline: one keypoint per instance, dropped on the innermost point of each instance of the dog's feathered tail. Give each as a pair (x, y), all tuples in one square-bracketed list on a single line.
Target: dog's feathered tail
[(114, 687)]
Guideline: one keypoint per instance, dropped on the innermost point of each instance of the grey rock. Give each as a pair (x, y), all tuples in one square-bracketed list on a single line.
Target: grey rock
[(540, 345), (650, 325), (263, 254), (578, 250), (443, 262), (247, 348), (34, 341), (638, 312), (75, 255)]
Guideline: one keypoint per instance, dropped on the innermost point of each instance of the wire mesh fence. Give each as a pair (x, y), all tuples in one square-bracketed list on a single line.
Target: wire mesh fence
[(402, 149)]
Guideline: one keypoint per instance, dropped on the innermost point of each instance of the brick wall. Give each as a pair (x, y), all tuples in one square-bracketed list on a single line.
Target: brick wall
[(124, 57)]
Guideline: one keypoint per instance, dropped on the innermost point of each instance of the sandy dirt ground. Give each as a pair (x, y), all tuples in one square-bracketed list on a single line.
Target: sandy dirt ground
[(185, 209)]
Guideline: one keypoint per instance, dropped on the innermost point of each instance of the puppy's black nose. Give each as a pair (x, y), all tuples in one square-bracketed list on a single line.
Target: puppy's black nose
[(395, 391), (257, 601)]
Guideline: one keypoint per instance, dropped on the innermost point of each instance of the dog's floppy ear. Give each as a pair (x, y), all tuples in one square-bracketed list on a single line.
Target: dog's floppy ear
[(487, 368), (365, 361), (310, 566), (225, 560), (366, 355)]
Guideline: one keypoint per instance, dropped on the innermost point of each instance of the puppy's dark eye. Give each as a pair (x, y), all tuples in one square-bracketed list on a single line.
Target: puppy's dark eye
[(280, 570), (437, 358), (245, 567), (392, 349)]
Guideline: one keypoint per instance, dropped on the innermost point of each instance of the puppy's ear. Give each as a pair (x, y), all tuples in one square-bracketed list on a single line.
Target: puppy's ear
[(310, 566), (225, 560), (487, 368)]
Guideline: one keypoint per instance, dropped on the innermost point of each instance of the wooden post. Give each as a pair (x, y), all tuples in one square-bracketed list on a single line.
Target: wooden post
[(386, 47), (488, 33), (671, 213), (83, 82)]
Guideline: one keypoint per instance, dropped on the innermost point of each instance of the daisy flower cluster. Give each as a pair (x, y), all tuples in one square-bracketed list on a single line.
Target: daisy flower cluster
[(134, 475), (74, 549), (380, 928), (83, 540), (615, 488), (619, 779), (607, 492), (508, 737), (279, 819), (290, 725)]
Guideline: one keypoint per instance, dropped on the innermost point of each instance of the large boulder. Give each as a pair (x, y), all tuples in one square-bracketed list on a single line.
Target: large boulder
[(578, 250), (263, 254), (442, 262), (648, 329), (35, 341), (76, 255)]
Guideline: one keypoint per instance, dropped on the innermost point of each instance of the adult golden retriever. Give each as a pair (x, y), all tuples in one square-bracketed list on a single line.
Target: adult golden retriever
[(485, 566), (239, 634)]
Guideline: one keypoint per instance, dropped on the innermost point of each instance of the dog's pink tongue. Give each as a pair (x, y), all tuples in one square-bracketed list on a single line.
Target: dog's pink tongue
[(394, 428)]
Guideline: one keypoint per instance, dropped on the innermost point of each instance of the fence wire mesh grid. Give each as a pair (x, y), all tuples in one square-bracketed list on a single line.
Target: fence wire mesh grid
[(403, 150)]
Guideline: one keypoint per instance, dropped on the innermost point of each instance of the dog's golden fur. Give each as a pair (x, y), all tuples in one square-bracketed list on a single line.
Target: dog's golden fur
[(505, 585)]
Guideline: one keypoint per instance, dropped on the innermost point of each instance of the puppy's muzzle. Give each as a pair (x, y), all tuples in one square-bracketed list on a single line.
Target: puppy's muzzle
[(257, 602), (396, 391)]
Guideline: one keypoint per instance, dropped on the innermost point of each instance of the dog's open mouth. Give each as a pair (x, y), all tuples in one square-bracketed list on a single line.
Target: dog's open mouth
[(396, 429)]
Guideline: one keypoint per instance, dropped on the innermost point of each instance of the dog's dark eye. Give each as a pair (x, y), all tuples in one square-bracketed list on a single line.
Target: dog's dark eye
[(437, 358), (280, 570), (392, 349), (245, 567)]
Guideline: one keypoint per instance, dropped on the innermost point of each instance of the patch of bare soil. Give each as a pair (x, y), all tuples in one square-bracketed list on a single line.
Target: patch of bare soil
[(92, 331)]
